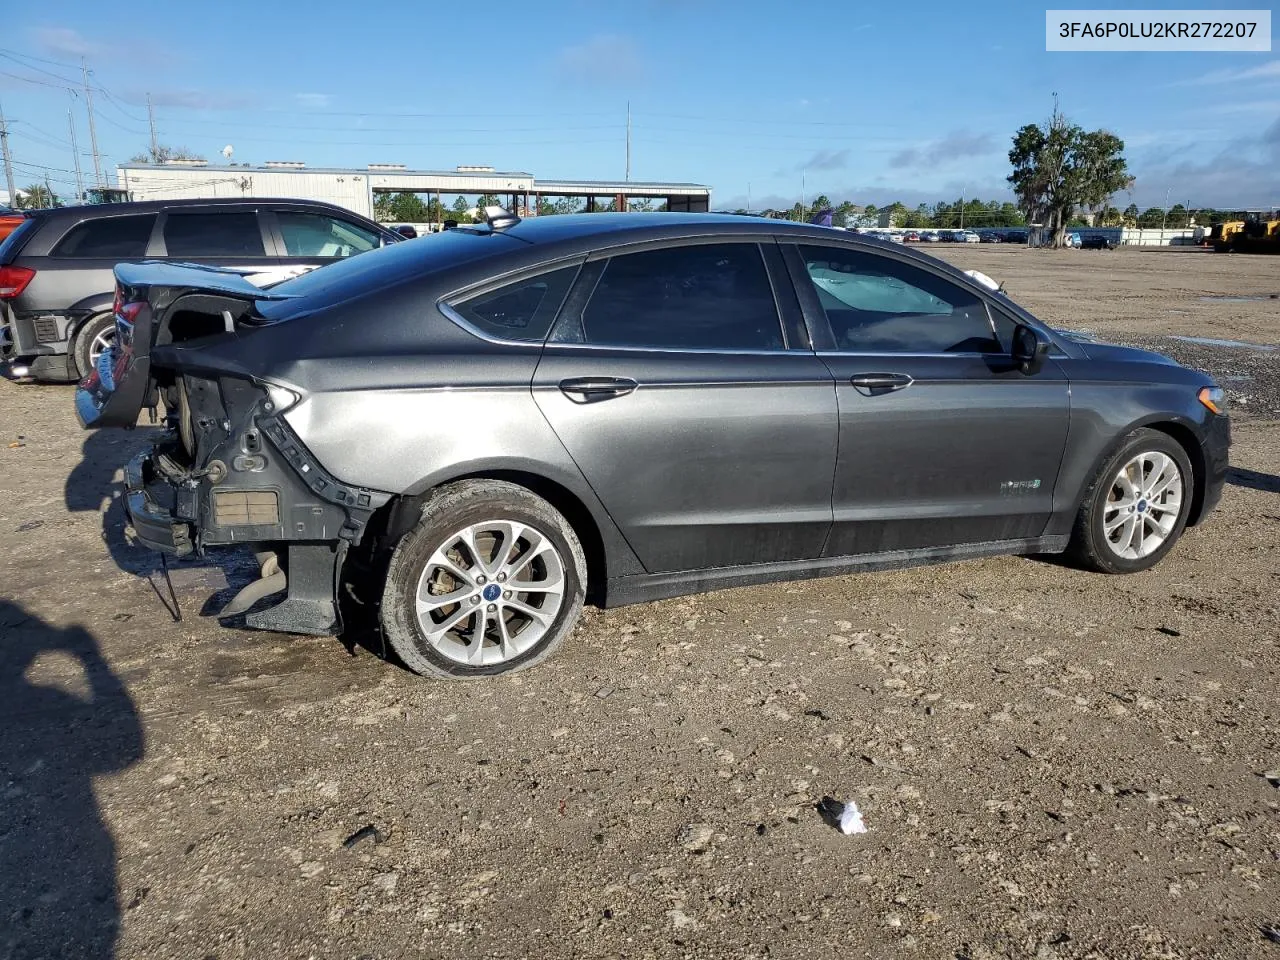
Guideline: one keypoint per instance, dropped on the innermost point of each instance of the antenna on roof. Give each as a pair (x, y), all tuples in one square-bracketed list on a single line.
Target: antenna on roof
[(499, 218)]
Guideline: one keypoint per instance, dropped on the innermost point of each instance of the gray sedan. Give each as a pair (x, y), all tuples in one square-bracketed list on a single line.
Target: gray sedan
[(485, 428)]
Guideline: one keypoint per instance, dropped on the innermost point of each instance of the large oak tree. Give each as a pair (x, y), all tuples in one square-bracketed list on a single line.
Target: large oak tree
[(1059, 168)]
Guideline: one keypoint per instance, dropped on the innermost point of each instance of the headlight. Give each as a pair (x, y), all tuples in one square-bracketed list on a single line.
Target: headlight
[(1214, 399)]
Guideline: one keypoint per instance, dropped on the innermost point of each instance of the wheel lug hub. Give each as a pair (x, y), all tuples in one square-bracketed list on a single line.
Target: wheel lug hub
[(480, 579), (492, 607), (506, 594), (474, 601), (502, 577)]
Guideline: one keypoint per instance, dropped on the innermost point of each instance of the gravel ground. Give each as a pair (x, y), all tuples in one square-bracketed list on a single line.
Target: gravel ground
[(1051, 764)]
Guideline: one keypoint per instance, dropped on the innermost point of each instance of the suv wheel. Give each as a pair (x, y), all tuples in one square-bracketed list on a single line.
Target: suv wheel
[(95, 336), (490, 581), (1136, 507)]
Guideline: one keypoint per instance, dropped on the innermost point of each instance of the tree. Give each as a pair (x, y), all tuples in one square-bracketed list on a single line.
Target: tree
[(897, 214), (1130, 217), (870, 215), (644, 205), (1151, 218), (36, 197), (487, 200), (820, 202), (1177, 218), (1059, 167), (163, 154), (461, 210), (565, 205)]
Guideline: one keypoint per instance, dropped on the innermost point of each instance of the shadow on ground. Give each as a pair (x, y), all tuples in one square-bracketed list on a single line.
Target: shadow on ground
[(64, 718), (1253, 480)]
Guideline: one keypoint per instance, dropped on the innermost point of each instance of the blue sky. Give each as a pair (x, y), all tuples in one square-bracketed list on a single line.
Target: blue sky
[(871, 102)]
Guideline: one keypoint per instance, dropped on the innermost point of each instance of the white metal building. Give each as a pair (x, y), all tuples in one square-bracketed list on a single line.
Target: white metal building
[(354, 188)]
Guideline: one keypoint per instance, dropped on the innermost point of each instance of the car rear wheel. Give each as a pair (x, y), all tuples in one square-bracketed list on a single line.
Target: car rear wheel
[(490, 581), (1136, 507), (96, 336)]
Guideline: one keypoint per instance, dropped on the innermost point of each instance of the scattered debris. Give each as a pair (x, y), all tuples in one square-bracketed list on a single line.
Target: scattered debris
[(1272, 777), (15, 444), (1271, 932), (695, 837), (30, 525), (845, 817), (604, 692), (1169, 631), (367, 832)]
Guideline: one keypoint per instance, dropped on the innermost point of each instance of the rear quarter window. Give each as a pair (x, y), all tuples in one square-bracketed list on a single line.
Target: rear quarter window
[(121, 238)]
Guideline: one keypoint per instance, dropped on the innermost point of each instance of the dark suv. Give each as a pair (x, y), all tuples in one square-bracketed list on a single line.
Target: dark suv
[(56, 283), (478, 430)]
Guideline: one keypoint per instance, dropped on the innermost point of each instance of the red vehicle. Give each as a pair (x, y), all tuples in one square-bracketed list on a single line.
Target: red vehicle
[(912, 237), (10, 220)]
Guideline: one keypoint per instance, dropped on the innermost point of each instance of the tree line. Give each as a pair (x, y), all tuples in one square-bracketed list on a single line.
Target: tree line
[(407, 207)]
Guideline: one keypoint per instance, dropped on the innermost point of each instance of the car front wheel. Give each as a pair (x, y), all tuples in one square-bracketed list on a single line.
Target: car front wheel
[(1136, 507), (490, 581)]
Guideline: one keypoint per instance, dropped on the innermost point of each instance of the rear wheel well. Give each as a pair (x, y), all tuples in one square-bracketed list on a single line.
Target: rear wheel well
[(392, 521), (1195, 453)]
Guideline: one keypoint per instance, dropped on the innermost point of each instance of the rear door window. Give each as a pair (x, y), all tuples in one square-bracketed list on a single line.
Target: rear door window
[(714, 296), (110, 237), (213, 234), (316, 235)]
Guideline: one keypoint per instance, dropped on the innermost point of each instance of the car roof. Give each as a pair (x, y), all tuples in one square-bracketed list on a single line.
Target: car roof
[(89, 211)]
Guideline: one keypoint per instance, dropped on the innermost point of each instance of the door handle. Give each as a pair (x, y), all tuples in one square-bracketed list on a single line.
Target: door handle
[(595, 389), (872, 384)]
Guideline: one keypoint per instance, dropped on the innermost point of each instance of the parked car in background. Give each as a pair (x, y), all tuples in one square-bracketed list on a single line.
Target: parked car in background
[(968, 236), (911, 237), (407, 231), (1016, 236), (473, 435), (56, 282), (991, 236), (929, 236), (10, 220), (1073, 240), (893, 236), (1098, 241)]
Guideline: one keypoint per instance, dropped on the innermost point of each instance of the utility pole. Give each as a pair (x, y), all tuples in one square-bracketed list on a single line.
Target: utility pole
[(75, 153), (48, 190), (628, 141), (962, 204), (1165, 218), (8, 161), (93, 131), (748, 196), (802, 205), (155, 144)]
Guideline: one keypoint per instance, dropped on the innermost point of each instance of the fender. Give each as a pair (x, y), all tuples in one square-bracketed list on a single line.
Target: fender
[(565, 489)]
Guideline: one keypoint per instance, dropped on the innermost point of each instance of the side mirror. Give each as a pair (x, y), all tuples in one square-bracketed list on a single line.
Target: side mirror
[(1029, 349)]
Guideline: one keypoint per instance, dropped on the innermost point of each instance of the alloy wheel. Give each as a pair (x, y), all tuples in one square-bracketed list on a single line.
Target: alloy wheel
[(1143, 504), (490, 592)]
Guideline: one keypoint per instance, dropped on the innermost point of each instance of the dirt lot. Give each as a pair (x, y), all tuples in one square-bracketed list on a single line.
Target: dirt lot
[(1051, 764)]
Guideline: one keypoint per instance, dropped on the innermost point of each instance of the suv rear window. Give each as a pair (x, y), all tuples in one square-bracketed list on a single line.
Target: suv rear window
[(120, 237), (213, 235)]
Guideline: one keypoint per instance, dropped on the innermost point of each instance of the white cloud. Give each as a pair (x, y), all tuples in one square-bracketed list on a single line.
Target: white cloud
[(313, 101), (64, 42), (1264, 71), (606, 58)]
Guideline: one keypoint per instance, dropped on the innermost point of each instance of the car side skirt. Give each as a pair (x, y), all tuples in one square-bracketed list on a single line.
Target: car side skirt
[(659, 586)]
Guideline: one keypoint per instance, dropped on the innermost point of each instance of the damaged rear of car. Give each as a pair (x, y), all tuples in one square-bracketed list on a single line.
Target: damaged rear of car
[(229, 470)]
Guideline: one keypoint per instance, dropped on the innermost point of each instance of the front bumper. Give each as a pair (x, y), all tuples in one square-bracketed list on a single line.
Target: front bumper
[(1216, 448)]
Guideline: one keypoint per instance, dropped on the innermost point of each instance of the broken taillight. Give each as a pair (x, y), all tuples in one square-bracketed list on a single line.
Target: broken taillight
[(129, 311), (13, 280)]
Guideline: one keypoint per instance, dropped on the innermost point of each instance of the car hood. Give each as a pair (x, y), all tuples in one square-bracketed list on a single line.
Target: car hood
[(1098, 350)]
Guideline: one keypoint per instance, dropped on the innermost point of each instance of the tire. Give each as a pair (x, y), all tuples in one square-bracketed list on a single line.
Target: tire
[(1105, 504), (90, 330), (434, 559)]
